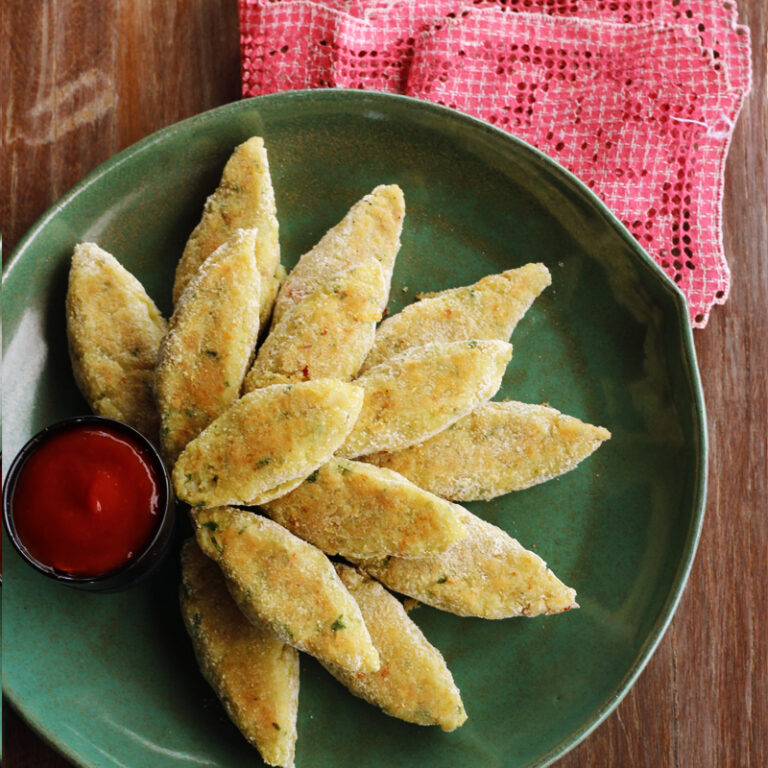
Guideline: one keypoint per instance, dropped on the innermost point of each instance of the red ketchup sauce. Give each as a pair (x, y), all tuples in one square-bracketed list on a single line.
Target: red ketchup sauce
[(87, 501)]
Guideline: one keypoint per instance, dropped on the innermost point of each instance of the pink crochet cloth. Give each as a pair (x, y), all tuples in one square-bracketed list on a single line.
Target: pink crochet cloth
[(637, 98)]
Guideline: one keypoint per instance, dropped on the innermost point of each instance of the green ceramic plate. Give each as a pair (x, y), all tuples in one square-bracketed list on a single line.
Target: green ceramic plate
[(111, 681)]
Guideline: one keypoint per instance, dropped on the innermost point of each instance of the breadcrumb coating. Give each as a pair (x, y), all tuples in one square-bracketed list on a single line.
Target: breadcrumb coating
[(269, 437), (370, 229), (244, 199), (288, 584), (114, 330), (205, 354), (488, 309), (255, 675), (353, 509), (498, 448), (487, 574), (414, 395), (413, 682)]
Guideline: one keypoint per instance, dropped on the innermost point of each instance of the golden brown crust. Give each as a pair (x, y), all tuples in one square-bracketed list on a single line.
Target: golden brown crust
[(498, 448), (486, 574), (204, 356), (357, 510), (413, 396), (489, 309), (413, 682), (327, 335), (371, 229), (291, 586), (269, 437), (255, 675), (244, 199), (114, 331)]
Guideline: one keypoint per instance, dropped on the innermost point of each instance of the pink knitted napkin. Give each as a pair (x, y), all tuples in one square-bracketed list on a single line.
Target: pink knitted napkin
[(638, 98)]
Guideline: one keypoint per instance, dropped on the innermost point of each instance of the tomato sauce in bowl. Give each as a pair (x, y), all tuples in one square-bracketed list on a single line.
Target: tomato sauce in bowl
[(87, 501)]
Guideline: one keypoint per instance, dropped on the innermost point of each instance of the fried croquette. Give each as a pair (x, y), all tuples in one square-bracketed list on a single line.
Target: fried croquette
[(244, 199), (327, 335), (371, 229), (267, 438), (489, 309), (255, 675), (486, 574), (498, 448), (353, 509), (288, 584), (205, 354), (413, 682), (114, 331), (414, 395)]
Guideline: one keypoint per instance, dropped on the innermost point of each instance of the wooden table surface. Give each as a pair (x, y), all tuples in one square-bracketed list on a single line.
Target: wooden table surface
[(81, 80)]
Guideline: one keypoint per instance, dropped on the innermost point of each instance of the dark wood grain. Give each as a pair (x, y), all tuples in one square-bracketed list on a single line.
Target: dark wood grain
[(82, 80), (87, 79), (703, 698)]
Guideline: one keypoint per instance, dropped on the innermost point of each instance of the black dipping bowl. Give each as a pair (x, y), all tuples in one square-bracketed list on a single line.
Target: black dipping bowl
[(135, 570)]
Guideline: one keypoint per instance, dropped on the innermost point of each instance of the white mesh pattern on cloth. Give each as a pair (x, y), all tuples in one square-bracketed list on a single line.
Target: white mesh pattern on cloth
[(638, 98)]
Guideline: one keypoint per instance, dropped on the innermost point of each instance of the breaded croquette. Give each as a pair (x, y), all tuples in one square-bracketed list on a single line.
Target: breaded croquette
[(266, 439), (255, 675), (371, 229), (489, 309), (327, 335), (486, 574), (353, 509), (244, 199), (205, 354), (413, 682), (114, 330), (498, 448), (414, 395), (288, 584)]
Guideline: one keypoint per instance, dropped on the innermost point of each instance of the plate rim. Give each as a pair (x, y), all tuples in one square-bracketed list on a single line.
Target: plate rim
[(689, 365)]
